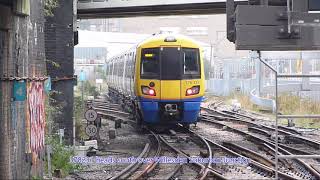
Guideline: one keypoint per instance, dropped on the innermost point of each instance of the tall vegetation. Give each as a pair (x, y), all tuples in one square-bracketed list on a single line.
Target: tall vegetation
[(293, 104), (88, 90), (49, 6)]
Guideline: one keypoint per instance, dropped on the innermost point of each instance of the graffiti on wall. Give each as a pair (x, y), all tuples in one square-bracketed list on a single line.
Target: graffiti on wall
[(36, 116)]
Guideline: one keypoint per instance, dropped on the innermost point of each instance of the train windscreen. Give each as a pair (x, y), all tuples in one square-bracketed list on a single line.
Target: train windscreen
[(170, 63), (150, 63), (191, 63)]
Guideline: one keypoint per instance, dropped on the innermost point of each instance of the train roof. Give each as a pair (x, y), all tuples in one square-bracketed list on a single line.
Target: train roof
[(169, 40), (160, 39)]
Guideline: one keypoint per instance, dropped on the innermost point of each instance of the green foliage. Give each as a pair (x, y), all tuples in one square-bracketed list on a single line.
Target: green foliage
[(244, 100), (101, 73), (89, 89), (288, 104), (36, 178), (54, 64), (79, 106), (60, 156), (49, 6), (52, 109), (293, 104), (78, 113)]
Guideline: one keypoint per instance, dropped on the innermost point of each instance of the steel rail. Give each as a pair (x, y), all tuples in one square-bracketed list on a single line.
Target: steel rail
[(153, 164), (310, 142), (205, 171), (252, 162), (108, 108), (112, 111), (273, 151), (127, 171), (286, 130), (216, 174), (260, 140), (249, 153)]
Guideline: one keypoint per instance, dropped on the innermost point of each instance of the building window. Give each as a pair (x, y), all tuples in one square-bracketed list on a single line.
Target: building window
[(197, 31)]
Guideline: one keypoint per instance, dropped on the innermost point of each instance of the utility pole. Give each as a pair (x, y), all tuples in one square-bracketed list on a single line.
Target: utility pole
[(211, 51), (216, 46), (82, 91), (82, 78)]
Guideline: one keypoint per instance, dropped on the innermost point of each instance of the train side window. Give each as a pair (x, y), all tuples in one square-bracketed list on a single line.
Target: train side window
[(111, 68), (121, 66), (112, 71), (191, 62), (117, 67), (128, 66), (150, 63)]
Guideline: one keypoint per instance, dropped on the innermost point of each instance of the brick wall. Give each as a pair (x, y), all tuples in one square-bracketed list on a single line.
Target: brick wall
[(59, 49)]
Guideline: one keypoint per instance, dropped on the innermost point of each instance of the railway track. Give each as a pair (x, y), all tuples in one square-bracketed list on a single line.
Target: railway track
[(290, 136), (139, 169), (258, 167), (255, 147), (179, 144), (154, 149), (301, 169)]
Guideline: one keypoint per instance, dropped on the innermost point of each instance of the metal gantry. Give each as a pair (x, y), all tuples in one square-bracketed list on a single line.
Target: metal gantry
[(278, 116)]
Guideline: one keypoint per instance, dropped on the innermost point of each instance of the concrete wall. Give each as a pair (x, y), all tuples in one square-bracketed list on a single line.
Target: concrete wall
[(21, 56)]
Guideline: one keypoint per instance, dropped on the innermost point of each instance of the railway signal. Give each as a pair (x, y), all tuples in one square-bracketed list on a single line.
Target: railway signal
[(272, 25)]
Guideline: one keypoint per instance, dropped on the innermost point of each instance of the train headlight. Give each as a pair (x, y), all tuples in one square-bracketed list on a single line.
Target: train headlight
[(192, 91), (148, 91), (152, 92), (170, 39), (189, 91)]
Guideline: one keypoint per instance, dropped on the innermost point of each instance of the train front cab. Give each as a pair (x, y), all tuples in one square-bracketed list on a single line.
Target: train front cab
[(170, 82)]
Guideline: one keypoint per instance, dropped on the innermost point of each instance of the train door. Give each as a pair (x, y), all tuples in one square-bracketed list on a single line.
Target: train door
[(170, 73), (132, 72)]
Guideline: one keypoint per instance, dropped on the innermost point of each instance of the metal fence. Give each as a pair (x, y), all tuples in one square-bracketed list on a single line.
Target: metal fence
[(232, 75), (250, 77)]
